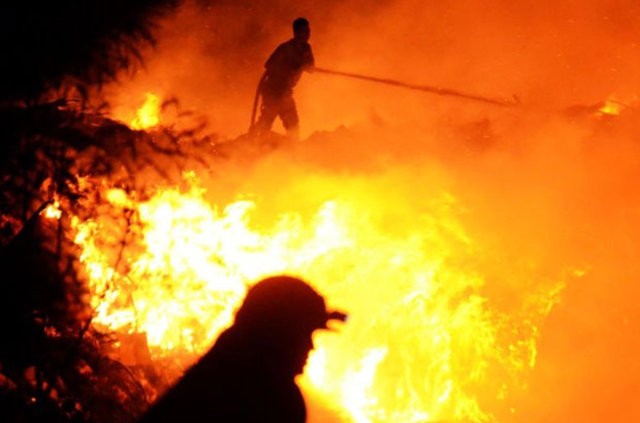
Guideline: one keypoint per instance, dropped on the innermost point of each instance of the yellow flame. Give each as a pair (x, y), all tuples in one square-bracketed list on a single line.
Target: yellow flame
[(118, 197), (422, 342), (610, 107), (148, 115), (53, 211)]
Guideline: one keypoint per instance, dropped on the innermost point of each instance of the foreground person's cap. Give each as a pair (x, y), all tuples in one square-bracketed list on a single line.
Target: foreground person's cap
[(286, 301)]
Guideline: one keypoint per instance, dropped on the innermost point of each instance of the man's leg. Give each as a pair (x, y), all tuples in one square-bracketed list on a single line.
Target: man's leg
[(289, 116), (268, 112)]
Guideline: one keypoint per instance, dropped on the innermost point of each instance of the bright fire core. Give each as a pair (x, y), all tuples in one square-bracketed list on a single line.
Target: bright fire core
[(422, 343)]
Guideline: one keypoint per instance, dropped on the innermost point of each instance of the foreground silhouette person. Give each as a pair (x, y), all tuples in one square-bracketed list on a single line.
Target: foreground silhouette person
[(283, 70), (248, 375)]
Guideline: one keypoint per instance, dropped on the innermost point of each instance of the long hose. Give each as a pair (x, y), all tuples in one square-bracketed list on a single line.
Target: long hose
[(256, 100), (433, 90)]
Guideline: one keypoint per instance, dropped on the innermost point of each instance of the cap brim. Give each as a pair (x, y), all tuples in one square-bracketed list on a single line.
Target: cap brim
[(334, 316)]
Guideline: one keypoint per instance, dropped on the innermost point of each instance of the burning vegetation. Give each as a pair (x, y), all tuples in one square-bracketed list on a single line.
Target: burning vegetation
[(460, 237)]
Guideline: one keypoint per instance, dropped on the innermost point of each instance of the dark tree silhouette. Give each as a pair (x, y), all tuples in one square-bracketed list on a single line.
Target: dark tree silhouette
[(52, 364), (45, 43)]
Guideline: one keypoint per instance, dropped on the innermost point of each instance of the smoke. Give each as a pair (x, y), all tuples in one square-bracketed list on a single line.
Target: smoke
[(549, 187), (211, 56)]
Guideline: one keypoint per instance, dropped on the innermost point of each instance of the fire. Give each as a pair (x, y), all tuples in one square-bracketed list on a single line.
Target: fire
[(53, 211), (147, 116), (610, 108), (614, 105), (423, 341)]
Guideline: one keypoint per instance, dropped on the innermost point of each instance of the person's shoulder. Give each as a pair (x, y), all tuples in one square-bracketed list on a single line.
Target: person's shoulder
[(290, 42), (282, 48), (295, 43)]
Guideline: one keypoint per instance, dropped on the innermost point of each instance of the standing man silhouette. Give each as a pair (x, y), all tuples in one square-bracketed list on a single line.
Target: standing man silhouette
[(283, 70), (248, 375)]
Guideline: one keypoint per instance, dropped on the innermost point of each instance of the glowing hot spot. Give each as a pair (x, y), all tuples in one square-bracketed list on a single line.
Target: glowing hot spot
[(147, 116)]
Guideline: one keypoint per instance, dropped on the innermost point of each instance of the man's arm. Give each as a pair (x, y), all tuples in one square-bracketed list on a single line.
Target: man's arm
[(310, 62)]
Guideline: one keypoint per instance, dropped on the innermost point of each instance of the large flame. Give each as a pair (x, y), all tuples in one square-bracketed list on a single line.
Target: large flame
[(423, 342)]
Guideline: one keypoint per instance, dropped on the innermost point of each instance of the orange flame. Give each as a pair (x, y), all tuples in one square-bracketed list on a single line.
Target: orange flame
[(53, 211), (610, 108), (422, 342), (147, 116)]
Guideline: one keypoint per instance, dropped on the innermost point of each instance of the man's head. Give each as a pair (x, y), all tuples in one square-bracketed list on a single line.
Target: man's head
[(281, 313), (301, 29)]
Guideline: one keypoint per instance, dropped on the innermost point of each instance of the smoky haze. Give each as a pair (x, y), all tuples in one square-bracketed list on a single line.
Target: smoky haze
[(549, 185), (551, 55)]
